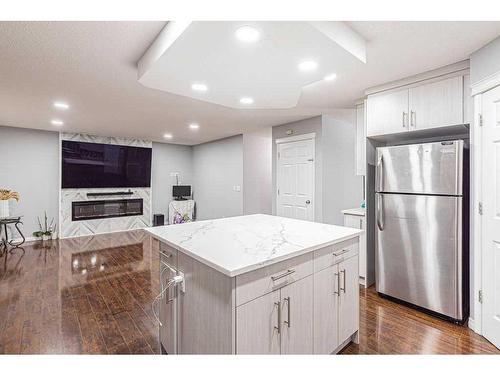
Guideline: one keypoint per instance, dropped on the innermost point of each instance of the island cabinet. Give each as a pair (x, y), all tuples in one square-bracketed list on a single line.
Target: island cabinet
[(300, 297)]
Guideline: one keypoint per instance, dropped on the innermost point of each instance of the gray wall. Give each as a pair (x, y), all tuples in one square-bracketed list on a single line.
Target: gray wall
[(312, 125), (257, 172), (485, 61), (30, 166), (341, 187), (167, 159), (217, 168)]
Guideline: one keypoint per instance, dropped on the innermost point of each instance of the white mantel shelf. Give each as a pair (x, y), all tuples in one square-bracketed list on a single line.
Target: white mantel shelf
[(240, 244)]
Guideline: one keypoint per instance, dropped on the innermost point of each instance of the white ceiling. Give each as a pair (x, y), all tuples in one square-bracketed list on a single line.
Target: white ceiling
[(266, 70), (93, 66)]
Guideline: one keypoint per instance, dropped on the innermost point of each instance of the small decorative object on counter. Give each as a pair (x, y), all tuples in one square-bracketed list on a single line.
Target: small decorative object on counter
[(46, 230), (5, 196)]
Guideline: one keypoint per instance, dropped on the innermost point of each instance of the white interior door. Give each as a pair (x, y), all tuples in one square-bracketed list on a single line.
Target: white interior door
[(295, 180), (491, 216)]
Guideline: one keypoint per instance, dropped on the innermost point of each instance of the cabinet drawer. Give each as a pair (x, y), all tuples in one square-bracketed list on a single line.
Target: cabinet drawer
[(334, 254), (168, 255), (256, 283)]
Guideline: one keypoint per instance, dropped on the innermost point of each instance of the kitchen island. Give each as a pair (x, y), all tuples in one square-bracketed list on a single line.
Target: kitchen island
[(257, 284)]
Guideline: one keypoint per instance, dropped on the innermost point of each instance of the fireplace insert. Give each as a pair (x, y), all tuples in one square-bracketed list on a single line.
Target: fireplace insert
[(102, 209)]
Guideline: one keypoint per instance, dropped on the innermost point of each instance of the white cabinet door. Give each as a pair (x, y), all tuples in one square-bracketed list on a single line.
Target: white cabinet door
[(491, 215), (387, 113), (349, 298), (326, 291), (297, 317), (360, 140), (296, 180), (437, 104), (256, 326)]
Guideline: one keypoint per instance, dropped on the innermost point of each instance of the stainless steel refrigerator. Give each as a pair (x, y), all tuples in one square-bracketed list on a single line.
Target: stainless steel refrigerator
[(422, 226)]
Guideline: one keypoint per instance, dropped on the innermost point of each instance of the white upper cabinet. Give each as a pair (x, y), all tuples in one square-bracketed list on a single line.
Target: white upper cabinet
[(437, 104), (428, 105), (387, 113)]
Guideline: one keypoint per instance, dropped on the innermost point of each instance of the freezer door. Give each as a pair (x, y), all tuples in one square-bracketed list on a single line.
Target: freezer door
[(427, 168), (419, 250)]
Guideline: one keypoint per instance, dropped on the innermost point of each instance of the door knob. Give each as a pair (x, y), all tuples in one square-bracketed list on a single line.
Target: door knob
[(308, 201)]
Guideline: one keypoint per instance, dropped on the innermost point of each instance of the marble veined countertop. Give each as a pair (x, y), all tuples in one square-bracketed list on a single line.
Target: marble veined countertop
[(240, 244)]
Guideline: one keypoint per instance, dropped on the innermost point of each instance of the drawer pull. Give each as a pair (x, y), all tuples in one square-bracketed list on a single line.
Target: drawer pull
[(284, 274), (340, 252), (165, 254)]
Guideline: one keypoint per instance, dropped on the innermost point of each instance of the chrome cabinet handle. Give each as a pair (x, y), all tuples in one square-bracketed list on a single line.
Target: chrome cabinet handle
[(413, 118), (166, 255), (284, 274), (287, 322), (278, 327), (336, 254), (336, 290), (308, 201), (343, 277), (404, 119)]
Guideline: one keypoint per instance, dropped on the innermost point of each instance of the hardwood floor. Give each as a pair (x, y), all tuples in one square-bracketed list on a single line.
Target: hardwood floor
[(87, 295), (92, 295), (387, 327)]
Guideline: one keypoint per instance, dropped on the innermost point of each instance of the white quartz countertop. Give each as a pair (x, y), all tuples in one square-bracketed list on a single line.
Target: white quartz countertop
[(241, 244), (355, 211)]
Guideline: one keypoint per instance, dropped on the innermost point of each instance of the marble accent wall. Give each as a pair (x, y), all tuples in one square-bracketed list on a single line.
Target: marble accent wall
[(69, 228)]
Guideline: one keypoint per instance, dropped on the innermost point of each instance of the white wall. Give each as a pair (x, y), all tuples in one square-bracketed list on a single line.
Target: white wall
[(341, 187), (311, 125), (257, 172), (29, 164), (217, 168), (166, 159), (485, 61)]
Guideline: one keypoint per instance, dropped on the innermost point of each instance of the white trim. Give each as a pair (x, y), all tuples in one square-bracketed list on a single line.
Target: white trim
[(476, 185), (295, 138), (282, 141), (471, 324), (486, 84)]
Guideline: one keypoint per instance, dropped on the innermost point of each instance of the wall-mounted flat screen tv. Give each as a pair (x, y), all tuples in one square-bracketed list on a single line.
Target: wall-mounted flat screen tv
[(96, 165)]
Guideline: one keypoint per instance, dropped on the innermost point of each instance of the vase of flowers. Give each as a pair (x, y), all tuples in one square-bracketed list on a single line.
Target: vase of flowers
[(5, 197), (46, 230)]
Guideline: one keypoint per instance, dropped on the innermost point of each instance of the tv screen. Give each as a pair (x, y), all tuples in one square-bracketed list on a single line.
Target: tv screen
[(96, 165), (181, 190)]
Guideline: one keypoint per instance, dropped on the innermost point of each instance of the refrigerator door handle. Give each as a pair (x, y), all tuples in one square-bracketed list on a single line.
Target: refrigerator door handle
[(380, 213), (380, 168)]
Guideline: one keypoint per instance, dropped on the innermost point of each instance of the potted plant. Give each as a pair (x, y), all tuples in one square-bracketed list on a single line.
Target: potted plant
[(5, 196), (46, 230)]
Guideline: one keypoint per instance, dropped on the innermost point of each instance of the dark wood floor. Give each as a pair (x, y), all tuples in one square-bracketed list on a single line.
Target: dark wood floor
[(86, 295), (93, 295), (390, 328)]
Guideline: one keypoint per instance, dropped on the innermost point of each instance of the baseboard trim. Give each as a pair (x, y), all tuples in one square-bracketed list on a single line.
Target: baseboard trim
[(471, 324)]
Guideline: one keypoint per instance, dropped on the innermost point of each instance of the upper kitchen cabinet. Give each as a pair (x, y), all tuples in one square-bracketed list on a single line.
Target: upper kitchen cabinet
[(360, 140), (437, 104), (423, 105), (387, 113)]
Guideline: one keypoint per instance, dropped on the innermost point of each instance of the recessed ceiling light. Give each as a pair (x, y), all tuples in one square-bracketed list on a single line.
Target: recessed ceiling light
[(247, 34), (330, 77), (57, 122), (199, 87), (308, 65), (61, 105), (194, 126), (167, 136), (246, 100)]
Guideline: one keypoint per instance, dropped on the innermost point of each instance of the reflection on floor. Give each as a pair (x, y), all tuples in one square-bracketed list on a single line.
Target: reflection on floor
[(390, 328), (85, 295), (93, 295)]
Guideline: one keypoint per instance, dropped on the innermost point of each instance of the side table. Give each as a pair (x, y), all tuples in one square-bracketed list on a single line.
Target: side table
[(5, 242)]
